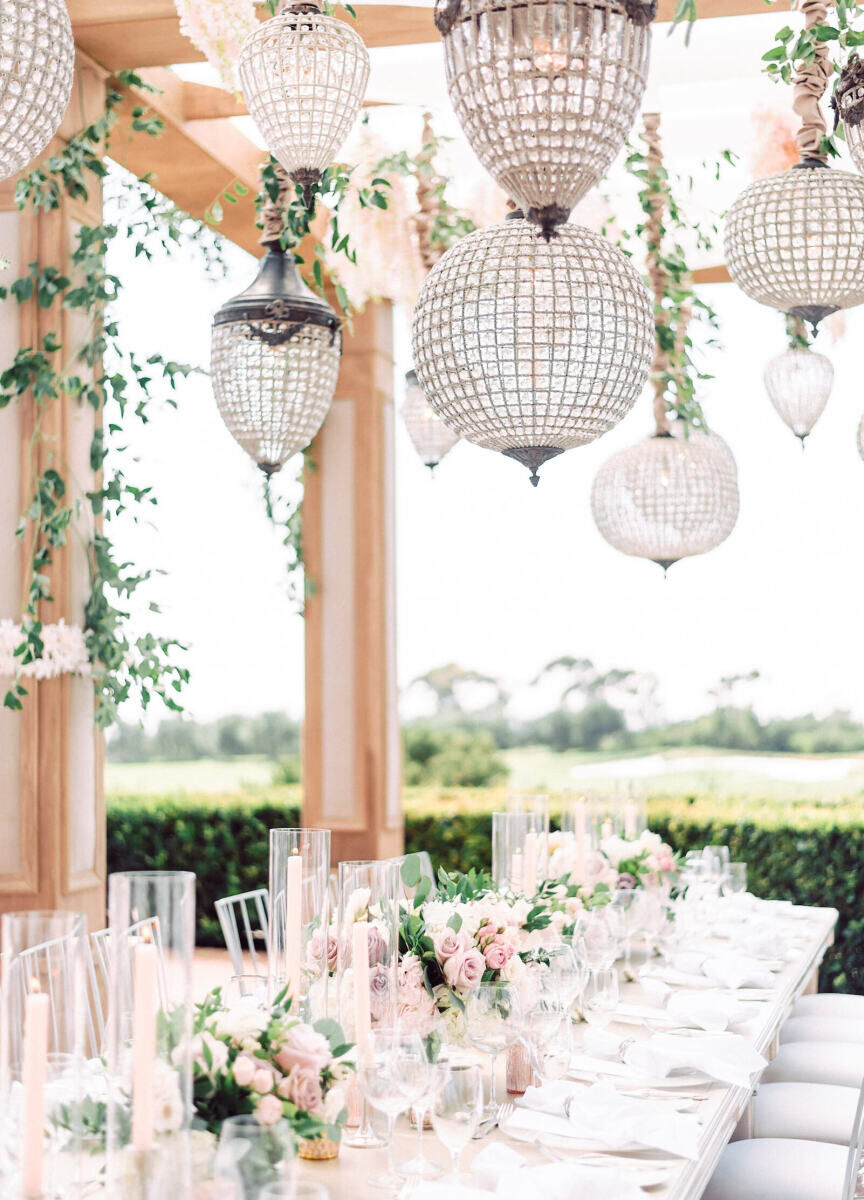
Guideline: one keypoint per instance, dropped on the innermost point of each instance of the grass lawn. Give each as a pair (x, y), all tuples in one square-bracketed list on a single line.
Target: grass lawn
[(203, 775)]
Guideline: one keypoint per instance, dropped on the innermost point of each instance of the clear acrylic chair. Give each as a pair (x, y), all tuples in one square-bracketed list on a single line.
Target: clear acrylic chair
[(99, 974), (47, 961), (245, 921)]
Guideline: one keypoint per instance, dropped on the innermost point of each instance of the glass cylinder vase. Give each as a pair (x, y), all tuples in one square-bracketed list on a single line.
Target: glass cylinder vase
[(43, 1025), (519, 858), (368, 959), (151, 944), (301, 949)]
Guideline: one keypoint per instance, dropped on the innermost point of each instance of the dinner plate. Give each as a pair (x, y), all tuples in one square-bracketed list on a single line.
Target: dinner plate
[(585, 1064), (639, 1160)]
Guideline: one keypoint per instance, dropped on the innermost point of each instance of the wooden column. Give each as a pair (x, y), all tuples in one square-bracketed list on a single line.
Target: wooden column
[(352, 751), (52, 816)]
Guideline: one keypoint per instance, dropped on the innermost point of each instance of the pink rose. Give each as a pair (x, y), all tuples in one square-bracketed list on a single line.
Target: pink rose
[(419, 1016), (262, 1080), (486, 932), (497, 955), (269, 1110), (303, 1046), (446, 943), (380, 999), (411, 971), (377, 945), (304, 1089), (316, 949), (464, 970), (243, 1070)]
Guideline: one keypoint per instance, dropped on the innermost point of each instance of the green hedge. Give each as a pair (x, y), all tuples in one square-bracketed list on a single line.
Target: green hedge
[(804, 853)]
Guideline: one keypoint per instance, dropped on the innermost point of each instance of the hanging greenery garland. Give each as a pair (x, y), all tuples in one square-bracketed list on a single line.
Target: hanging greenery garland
[(102, 373)]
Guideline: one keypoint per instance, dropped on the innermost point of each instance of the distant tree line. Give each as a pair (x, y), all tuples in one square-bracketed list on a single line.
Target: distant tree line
[(269, 735)]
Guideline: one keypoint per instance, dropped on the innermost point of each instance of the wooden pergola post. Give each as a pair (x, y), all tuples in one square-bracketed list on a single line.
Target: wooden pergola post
[(352, 751), (52, 816)]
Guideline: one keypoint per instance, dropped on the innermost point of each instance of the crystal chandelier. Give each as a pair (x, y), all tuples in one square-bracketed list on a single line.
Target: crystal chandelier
[(37, 62), (795, 240), (275, 354), (667, 497), (303, 76), (532, 347), (430, 436), (546, 92), (798, 383), (848, 104)]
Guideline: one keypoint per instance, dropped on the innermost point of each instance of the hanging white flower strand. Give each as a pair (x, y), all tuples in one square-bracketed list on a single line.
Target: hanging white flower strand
[(218, 28)]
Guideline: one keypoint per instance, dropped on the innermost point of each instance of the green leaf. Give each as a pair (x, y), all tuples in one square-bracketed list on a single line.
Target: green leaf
[(411, 871)]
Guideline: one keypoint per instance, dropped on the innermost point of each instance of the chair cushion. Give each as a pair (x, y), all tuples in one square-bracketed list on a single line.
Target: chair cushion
[(817, 1112), (778, 1169), (841, 1063), (830, 1004), (822, 1029)]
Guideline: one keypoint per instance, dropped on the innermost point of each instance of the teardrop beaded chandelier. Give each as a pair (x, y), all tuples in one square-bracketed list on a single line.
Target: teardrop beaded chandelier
[(798, 383), (795, 240), (546, 91), (37, 63), (275, 353), (303, 76), (671, 495), (529, 347), (429, 435)]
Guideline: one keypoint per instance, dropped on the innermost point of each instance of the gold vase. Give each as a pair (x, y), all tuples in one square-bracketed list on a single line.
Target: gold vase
[(320, 1148)]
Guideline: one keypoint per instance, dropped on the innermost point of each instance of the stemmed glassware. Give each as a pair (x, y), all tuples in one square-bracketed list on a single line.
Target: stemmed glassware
[(493, 1016), (600, 938), (457, 1109), (393, 1073), (549, 1036), (419, 1166), (735, 881), (251, 1156), (600, 999), (625, 909)]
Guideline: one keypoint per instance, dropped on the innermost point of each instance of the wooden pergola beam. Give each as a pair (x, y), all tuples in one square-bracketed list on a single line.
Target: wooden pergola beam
[(146, 33)]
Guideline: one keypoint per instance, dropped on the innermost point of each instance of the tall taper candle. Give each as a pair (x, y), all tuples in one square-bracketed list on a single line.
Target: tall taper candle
[(360, 962), (34, 1066), (293, 925), (579, 830), (529, 882), (145, 957), (631, 816)]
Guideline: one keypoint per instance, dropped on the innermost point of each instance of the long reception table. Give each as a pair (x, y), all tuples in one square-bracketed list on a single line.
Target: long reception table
[(723, 1109)]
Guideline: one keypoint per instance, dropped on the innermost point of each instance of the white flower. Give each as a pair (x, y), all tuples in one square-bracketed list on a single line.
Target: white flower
[(650, 841), (243, 1023), (167, 1101), (218, 1054), (436, 914), (616, 849), (357, 906), (514, 970), (334, 1102)]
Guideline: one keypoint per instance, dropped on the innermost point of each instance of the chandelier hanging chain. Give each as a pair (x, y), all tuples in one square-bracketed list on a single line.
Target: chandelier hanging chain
[(429, 197), (273, 211), (657, 273), (810, 84)]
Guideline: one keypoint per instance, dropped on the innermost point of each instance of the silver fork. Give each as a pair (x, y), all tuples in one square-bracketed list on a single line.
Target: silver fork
[(504, 1113)]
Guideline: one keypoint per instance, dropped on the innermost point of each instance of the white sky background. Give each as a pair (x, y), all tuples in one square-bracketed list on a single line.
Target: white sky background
[(494, 574)]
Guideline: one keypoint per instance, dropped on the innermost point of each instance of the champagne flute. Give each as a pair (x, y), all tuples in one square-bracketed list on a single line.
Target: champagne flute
[(492, 1017), (393, 1074), (601, 997), (457, 1109)]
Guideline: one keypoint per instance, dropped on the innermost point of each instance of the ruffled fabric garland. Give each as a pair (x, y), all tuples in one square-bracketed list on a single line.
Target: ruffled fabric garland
[(65, 652)]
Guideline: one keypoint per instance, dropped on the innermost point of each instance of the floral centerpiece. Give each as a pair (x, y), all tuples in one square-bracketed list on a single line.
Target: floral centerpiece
[(638, 862)]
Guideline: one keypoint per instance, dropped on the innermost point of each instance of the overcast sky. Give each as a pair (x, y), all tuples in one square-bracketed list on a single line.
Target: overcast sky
[(500, 577)]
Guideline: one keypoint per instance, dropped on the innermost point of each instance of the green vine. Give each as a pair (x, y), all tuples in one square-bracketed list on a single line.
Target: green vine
[(796, 333), (101, 373), (662, 228)]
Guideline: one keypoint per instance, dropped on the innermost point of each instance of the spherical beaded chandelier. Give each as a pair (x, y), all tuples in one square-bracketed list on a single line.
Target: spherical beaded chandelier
[(529, 347), (37, 63), (795, 240), (798, 383), (546, 92), (303, 76), (667, 497), (849, 106), (275, 354), (429, 435)]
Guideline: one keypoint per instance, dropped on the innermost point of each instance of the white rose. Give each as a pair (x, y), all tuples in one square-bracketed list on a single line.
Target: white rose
[(243, 1022), (167, 1101), (436, 913), (357, 906), (651, 841), (617, 849), (514, 970), (334, 1102), (218, 1053), (341, 1071)]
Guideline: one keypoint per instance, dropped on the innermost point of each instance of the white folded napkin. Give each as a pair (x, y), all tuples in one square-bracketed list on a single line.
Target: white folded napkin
[(728, 970), (601, 1114), (710, 1010), (500, 1170), (728, 1057)]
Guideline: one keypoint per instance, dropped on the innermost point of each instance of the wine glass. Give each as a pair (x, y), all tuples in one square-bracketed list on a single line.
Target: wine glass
[(736, 878), (393, 1074), (419, 1166), (492, 1018), (625, 910), (600, 939), (457, 1109), (250, 1155), (600, 999), (549, 1036), (580, 956)]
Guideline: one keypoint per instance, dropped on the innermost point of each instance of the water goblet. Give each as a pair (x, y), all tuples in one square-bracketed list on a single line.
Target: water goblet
[(457, 1109), (250, 1155), (419, 1166), (492, 1017), (393, 1074), (600, 939), (600, 999), (736, 879), (548, 1033)]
